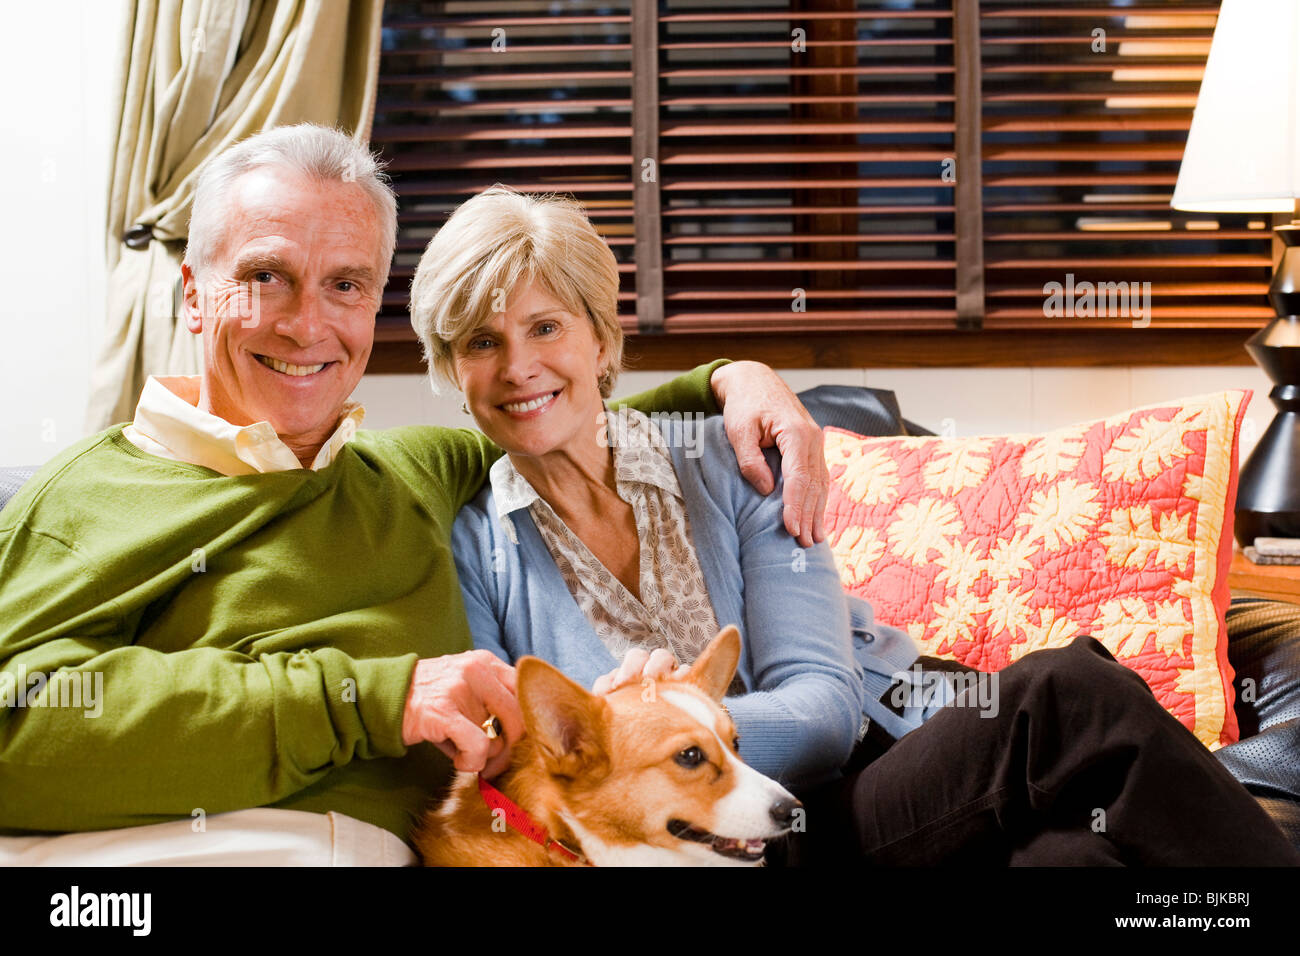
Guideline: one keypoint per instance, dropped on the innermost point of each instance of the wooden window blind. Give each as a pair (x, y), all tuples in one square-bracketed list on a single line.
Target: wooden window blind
[(802, 152), (472, 94), (834, 181), (1086, 108)]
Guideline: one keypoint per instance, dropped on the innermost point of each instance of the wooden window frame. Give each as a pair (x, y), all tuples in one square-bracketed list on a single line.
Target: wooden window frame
[(968, 345)]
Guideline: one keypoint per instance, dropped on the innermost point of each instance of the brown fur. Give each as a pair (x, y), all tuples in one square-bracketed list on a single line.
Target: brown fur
[(606, 761)]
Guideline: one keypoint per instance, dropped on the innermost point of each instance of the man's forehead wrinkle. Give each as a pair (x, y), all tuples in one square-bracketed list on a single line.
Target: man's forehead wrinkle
[(284, 253), (275, 252), (264, 208)]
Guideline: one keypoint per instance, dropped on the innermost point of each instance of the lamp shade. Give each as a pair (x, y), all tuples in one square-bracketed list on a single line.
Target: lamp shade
[(1242, 153)]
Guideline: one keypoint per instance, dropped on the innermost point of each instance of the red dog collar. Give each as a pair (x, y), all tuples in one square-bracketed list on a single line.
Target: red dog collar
[(521, 822)]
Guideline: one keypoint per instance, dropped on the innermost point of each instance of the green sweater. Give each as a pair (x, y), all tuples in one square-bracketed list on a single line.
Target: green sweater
[(255, 634)]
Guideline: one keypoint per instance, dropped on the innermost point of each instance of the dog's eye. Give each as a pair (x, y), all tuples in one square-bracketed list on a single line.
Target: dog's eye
[(735, 743), (690, 758)]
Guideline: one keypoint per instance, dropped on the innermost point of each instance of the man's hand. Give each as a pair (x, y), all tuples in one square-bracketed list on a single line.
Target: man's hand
[(759, 410), (451, 697), (637, 666)]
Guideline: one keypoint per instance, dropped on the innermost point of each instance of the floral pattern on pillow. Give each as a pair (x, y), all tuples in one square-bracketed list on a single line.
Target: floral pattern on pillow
[(986, 549)]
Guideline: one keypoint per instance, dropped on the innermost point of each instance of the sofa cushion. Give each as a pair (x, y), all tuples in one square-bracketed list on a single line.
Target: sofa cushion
[(863, 411), (1265, 653), (985, 549), (11, 479)]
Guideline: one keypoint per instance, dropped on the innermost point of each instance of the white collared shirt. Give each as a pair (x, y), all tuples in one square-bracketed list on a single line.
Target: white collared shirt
[(168, 423)]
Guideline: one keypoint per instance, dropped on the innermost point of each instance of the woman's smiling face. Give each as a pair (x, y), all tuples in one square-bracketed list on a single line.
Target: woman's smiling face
[(530, 376)]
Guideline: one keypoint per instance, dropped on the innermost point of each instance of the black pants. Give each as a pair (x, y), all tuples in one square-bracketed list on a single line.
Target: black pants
[(1080, 766)]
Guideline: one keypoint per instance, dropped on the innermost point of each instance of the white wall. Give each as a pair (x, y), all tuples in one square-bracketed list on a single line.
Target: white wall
[(956, 401), (57, 66)]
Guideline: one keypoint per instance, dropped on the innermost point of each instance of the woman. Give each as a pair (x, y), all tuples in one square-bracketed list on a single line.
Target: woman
[(605, 536), (581, 549)]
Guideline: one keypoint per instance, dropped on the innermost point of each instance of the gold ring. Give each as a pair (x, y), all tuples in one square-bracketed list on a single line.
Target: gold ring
[(492, 727)]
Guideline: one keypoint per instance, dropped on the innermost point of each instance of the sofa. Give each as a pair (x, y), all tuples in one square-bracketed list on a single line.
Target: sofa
[(1264, 635), (1263, 638)]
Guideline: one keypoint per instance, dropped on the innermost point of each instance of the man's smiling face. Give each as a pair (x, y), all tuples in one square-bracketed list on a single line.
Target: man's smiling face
[(287, 305)]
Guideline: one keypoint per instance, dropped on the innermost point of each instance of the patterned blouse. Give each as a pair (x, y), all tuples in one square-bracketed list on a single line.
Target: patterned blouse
[(674, 612)]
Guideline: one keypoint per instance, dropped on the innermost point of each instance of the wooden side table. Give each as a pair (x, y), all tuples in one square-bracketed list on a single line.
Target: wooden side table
[(1281, 582)]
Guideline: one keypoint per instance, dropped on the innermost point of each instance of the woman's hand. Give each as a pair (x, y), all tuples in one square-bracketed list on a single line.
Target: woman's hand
[(636, 667)]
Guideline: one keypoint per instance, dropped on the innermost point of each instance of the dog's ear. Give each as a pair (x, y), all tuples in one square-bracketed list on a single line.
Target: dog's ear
[(567, 723), (716, 666)]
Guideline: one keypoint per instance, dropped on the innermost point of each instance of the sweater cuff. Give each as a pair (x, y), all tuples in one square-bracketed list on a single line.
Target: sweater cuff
[(691, 392), (767, 732), (710, 399), (367, 697)]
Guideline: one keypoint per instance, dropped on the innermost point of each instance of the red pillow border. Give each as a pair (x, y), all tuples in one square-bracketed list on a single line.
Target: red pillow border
[(1214, 719)]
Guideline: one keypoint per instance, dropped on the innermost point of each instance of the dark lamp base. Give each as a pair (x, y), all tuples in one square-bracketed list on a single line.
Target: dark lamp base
[(1249, 525), (1268, 488)]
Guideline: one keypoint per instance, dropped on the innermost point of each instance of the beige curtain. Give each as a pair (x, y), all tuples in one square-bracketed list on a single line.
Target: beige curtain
[(199, 76)]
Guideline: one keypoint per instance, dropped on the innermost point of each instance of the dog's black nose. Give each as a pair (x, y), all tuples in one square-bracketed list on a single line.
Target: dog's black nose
[(783, 811)]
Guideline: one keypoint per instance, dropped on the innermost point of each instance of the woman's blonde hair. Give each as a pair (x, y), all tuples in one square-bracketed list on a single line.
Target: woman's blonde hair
[(497, 242)]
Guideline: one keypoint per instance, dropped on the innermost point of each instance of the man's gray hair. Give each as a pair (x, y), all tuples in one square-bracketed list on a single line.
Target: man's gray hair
[(316, 151)]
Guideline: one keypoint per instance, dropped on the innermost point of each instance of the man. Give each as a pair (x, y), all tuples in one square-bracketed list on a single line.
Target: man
[(265, 593)]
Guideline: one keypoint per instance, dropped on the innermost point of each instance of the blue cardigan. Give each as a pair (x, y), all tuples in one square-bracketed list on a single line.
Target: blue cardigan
[(813, 662)]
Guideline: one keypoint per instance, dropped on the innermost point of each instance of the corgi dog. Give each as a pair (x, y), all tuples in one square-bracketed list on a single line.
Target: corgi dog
[(647, 775)]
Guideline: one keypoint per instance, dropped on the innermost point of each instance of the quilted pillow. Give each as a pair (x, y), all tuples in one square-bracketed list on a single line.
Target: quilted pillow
[(985, 549)]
